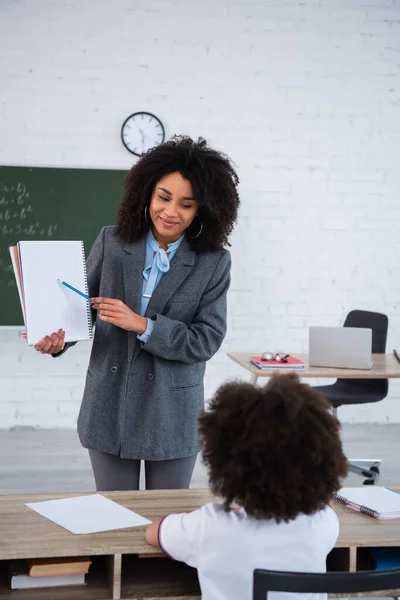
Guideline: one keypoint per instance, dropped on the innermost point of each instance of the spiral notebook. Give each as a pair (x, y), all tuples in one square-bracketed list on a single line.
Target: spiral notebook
[(373, 500), (48, 306)]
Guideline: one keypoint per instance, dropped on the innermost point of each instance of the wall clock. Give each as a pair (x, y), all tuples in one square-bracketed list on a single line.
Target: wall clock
[(142, 131)]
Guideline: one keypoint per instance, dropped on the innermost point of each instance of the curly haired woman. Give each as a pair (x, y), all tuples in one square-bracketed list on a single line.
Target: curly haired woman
[(276, 453), (158, 283)]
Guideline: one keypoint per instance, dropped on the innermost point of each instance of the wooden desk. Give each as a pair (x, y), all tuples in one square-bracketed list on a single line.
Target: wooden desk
[(385, 367), (118, 572)]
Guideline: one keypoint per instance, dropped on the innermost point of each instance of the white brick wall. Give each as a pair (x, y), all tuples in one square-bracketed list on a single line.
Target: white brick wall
[(304, 96)]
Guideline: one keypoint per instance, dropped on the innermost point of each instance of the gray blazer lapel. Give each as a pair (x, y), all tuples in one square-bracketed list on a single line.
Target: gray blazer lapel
[(132, 268), (181, 265)]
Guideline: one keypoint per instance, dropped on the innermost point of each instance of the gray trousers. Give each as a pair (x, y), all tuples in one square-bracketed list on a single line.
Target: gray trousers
[(112, 473)]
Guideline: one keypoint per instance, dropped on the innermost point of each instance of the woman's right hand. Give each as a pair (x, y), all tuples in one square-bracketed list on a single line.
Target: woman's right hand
[(51, 344)]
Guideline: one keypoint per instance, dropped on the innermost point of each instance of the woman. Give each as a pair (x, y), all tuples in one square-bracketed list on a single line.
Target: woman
[(158, 281)]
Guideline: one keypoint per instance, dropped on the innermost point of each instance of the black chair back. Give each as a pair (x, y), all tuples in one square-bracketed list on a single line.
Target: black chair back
[(323, 583), (379, 324)]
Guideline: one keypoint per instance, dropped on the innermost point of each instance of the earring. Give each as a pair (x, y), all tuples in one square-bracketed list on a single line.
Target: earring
[(196, 236), (145, 214)]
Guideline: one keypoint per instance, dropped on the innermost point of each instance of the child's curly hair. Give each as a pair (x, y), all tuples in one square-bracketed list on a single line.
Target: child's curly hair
[(214, 183), (276, 450)]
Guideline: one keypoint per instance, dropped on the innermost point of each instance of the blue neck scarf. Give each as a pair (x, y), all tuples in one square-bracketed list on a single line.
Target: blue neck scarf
[(159, 262)]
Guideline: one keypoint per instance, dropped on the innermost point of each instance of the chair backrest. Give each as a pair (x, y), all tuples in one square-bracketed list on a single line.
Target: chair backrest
[(379, 324), (323, 583), (370, 320)]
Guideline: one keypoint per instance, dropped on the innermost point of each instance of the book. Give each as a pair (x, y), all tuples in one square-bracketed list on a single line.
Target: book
[(46, 304), (385, 558), (292, 363), (46, 567), (20, 579), (88, 514), (376, 501)]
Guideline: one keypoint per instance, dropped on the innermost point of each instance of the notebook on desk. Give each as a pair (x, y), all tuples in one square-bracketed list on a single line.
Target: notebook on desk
[(291, 363), (373, 500), (48, 306)]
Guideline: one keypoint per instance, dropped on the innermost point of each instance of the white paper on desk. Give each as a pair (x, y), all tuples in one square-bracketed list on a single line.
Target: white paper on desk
[(88, 514)]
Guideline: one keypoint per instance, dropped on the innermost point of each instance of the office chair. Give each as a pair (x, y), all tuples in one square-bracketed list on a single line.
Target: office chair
[(361, 391), (324, 583)]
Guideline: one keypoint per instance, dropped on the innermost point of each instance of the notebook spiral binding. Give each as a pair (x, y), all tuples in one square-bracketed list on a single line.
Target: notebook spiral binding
[(88, 308), (368, 511), (364, 509), (340, 498)]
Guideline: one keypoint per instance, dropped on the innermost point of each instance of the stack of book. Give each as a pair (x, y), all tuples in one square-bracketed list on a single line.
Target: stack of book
[(48, 572), (291, 363)]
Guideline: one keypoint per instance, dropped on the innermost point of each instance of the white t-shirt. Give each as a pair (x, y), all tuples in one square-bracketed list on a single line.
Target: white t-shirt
[(226, 547)]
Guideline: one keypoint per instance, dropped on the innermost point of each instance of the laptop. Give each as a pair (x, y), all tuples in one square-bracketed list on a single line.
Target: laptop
[(340, 347)]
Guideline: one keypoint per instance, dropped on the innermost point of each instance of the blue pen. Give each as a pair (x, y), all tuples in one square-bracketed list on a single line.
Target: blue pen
[(73, 289)]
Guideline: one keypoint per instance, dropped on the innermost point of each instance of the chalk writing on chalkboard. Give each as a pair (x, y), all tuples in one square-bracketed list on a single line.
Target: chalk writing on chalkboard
[(18, 221), (51, 203)]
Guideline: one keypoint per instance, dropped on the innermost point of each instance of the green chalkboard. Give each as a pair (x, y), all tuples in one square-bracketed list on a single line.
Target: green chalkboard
[(51, 204)]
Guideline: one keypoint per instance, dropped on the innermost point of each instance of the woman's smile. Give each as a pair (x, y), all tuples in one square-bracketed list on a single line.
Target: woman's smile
[(167, 223)]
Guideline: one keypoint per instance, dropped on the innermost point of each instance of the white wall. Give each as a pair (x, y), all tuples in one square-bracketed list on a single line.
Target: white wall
[(304, 96)]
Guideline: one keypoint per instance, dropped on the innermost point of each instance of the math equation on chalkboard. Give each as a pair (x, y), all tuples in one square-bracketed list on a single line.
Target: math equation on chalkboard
[(18, 221), (51, 203)]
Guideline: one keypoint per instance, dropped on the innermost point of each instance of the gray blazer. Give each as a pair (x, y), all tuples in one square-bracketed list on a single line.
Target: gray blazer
[(142, 400)]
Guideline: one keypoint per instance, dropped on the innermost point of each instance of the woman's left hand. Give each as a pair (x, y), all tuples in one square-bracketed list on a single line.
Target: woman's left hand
[(118, 314)]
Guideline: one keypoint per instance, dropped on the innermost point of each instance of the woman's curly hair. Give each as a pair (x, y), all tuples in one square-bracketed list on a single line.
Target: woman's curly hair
[(275, 451), (214, 183)]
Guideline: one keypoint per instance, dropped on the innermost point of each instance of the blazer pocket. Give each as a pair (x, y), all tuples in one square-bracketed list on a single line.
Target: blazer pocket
[(184, 376), (182, 299)]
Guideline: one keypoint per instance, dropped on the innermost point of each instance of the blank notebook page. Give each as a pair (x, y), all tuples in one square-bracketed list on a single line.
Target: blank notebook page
[(374, 497), (50, 306)]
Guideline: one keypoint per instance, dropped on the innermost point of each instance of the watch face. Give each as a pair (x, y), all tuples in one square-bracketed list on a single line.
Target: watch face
[(141, 132)]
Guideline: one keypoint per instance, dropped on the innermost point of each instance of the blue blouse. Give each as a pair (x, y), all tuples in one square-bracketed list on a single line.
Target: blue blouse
[(157, 263)]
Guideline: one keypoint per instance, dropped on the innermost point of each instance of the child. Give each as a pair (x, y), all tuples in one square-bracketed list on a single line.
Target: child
[(276, 453)]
